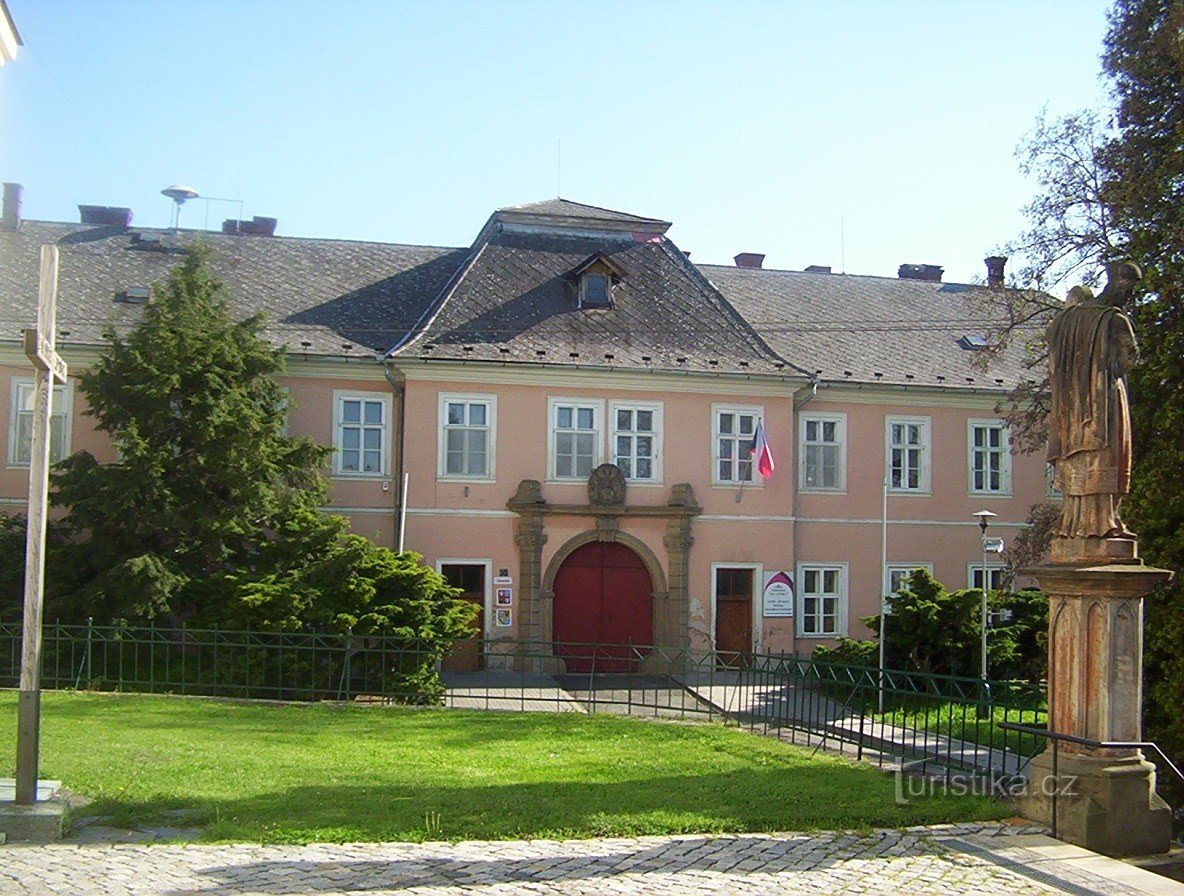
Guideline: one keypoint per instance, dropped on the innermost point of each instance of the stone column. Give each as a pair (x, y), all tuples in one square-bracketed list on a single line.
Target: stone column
[(529, 505), (678, 541), (1104, 798)]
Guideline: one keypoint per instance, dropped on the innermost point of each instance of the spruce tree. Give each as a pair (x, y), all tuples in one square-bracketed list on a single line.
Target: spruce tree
[(204, 474), (1144, 58)]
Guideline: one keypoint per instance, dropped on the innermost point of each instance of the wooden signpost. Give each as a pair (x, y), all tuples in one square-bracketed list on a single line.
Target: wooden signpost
[(50, 371)]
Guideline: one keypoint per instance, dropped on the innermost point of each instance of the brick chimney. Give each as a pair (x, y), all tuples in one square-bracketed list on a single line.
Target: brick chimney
[(105, 215), (749, 260), (12, 207), (256, 226), (995, 265), (928, 272)]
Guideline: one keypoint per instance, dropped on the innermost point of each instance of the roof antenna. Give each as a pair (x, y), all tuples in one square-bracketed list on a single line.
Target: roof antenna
[(180, 194), (558, 167), (842, 244)]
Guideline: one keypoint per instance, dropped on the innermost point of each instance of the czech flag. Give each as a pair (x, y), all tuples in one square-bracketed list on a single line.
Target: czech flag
[(760, 451)]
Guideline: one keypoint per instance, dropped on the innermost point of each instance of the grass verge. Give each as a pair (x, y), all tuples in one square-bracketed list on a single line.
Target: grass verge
[(293, 774)]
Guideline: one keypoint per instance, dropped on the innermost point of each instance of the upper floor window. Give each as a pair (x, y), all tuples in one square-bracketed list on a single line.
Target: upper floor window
[(897, 575), (20, 422), (908, 454), (594, 290), (732, 443), (361, 433), (466, 436), (995, 573), (635, 437), (823, 600), (594, 280), (575, 437), (823, 452), (990, 458)]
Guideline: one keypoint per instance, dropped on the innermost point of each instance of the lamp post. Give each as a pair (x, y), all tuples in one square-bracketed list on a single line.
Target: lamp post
[(984, 517)]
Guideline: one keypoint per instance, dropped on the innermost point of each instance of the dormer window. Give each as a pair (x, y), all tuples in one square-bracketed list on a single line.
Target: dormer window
[(594, 291), (595, 280)]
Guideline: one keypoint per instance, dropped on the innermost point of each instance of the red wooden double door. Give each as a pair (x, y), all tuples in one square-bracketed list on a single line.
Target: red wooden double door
[(604, 602)]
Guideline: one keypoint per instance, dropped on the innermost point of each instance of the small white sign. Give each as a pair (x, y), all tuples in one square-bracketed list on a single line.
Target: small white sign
[(503, 580), (778, 595)]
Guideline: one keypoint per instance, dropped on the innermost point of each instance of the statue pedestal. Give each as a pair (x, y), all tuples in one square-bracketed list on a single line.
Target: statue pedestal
[(1104, 799)]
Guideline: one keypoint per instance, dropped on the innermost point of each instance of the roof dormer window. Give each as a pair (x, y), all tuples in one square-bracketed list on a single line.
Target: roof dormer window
[(594, 291), (595, 280)]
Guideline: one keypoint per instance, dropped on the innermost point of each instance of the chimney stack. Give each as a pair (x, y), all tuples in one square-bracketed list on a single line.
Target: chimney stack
[(12, 207), (749, 260), (928, 272), (105, 215), (995, 265), (257, 226)]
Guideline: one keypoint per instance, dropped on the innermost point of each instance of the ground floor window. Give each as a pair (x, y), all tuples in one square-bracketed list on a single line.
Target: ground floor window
[(823, 600)]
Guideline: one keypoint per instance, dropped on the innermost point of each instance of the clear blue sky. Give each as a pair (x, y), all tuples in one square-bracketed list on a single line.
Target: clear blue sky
[(762, 127)]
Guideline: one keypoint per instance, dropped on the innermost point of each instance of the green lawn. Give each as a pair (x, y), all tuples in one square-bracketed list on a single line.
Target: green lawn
[(960, 721), (267, 773)]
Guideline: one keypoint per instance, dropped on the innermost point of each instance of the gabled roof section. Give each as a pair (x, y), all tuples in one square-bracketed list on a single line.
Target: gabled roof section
[(597, 258), (514, 302), (565, 214), (319, 296), (877, 330)]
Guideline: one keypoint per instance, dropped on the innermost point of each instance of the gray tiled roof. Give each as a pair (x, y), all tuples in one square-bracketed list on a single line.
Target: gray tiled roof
[(327, 293), (870, 329), (513, 303)]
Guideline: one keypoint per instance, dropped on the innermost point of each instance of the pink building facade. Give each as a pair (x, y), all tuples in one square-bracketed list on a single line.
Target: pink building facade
[(572, 403)]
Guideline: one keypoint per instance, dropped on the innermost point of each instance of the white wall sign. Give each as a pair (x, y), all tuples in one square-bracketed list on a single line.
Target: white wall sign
[(778, 596)]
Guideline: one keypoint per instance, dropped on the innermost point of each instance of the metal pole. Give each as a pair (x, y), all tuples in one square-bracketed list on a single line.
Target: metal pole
[(983, 662), (883, 585), (403, 511)]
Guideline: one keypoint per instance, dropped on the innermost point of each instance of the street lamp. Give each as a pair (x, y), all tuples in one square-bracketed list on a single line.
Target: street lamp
[(984, 517)]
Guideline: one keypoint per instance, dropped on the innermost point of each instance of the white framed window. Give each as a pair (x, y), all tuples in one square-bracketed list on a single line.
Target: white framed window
[(733, 429), (466, 436), (361, 433), (908, 454), (20, 422), (896, 575), (989, 451), (974, 576), (576, 427), (636, 440), (822, 600), (823, 452)]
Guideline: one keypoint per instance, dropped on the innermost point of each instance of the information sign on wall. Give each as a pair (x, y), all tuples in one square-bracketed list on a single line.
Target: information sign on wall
[(778, 595)]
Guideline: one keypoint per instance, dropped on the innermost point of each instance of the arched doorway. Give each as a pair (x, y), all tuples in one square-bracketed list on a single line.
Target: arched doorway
[(604, 602)]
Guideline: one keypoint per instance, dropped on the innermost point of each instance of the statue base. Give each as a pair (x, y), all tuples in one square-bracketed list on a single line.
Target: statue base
[(1107, 804), (1093, 550)]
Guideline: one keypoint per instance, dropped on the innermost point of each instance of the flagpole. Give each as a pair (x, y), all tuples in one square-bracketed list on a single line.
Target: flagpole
[(883, 584)]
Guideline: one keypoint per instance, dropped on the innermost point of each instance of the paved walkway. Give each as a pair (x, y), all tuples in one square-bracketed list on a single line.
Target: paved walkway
[(941, 860)]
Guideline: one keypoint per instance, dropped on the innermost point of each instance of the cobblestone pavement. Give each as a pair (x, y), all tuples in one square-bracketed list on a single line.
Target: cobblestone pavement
[(945, 859)]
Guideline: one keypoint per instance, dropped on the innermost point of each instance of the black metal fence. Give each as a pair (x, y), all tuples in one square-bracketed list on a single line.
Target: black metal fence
[(955, 724)]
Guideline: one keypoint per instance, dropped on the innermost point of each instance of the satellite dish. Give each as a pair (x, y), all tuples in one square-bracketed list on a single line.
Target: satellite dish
[(179, 193)]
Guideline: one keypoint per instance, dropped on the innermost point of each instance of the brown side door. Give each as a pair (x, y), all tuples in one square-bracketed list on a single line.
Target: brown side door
[(733, 615), (466, 655)]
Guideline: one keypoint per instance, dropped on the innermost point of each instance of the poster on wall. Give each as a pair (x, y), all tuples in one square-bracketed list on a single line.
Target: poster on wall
[(505, 597), (778, 597), (504, 618)]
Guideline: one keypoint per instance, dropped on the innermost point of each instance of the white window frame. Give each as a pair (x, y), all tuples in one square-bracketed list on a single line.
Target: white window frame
[(758, 413), (656, 409), (897, 566), (994, 571), (597, 405), (1004, 489), (63, 406), (442, 426), (340, 396), (608, 289), (843, 607), (924, 486), (840, 421), (758, 584)]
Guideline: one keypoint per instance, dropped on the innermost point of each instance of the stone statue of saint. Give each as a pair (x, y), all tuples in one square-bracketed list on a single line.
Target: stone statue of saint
[(1091, 348)]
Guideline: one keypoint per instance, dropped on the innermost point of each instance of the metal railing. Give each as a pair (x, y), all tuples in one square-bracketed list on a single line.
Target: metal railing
[(948, 725)]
